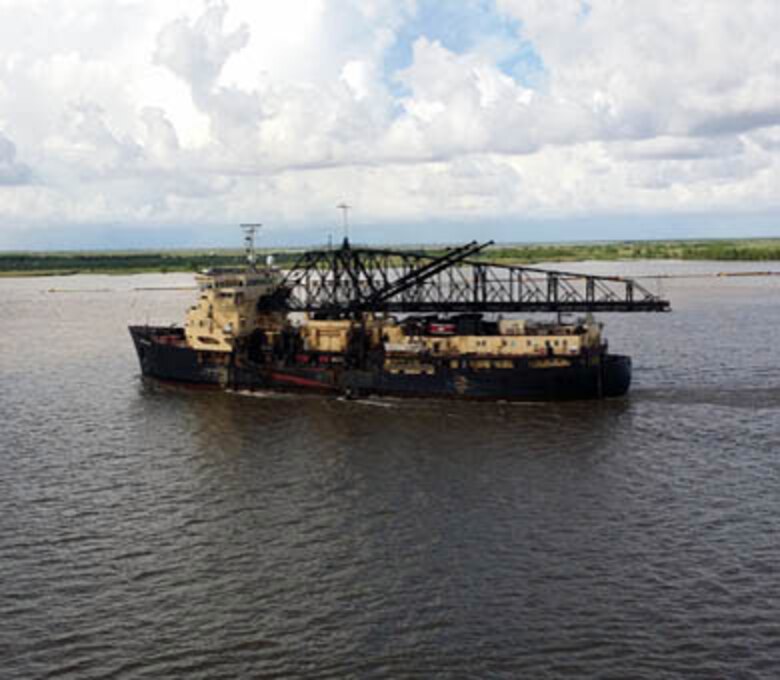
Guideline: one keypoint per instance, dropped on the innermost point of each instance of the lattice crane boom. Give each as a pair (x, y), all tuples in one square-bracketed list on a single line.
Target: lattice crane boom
[(349, 281)]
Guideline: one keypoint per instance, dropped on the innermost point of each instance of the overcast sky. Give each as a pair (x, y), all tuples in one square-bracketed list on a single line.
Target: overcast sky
[(167, 122)]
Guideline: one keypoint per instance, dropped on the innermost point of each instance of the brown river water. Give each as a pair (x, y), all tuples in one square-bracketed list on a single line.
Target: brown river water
[(152, 532)]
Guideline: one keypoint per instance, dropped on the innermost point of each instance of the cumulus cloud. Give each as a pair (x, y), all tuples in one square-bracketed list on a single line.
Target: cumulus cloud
[(11, 171), (159, 139), (460, 104), (206, 112), (767, 138), (678, 148), (682, 67), (198, 51)]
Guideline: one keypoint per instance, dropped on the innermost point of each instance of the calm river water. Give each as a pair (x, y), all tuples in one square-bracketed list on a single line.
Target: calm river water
[(150, 532)]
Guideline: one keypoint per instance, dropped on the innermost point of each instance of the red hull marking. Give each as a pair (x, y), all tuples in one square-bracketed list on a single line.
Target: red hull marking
[(298, 380)]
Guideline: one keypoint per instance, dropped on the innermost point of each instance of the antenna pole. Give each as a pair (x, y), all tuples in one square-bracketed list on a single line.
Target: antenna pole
[(249, 242), (345, 213)]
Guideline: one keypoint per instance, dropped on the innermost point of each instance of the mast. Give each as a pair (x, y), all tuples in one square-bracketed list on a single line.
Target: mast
[(345, 215), (250, 229)]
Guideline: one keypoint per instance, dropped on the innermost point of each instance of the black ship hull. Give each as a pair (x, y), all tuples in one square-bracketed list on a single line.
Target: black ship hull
[(163, 355)]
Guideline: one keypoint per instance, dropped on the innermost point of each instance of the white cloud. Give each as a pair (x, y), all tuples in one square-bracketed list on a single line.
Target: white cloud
[(11, 171), (151, 113), (460, 104), (671, 67)]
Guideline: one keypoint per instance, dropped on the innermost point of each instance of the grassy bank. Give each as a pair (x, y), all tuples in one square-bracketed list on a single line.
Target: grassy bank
[(64, 263), (747, 250)]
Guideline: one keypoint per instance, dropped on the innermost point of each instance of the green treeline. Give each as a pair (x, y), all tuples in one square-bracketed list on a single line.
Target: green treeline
[(727, 250), (30, 263), (122, 263)]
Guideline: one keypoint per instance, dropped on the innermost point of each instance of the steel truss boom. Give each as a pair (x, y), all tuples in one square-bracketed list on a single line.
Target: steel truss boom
[(350, 280)]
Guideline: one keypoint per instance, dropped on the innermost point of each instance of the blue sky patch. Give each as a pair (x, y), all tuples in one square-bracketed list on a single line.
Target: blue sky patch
[(469, 25)]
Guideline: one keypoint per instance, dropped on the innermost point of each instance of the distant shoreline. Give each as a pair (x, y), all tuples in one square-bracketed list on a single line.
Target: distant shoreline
[(141, 262)]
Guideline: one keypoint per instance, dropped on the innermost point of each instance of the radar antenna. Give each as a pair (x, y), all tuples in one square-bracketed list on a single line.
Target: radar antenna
[(249, 242)]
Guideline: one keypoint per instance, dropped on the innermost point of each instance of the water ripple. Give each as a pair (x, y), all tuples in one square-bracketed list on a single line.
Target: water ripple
[(149, 531)]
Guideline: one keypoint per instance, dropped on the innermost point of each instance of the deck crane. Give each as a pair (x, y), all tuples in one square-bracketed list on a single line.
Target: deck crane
[(348, 281)]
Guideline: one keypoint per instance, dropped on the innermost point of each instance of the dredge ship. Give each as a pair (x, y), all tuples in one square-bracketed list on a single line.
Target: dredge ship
[(359, 322)]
